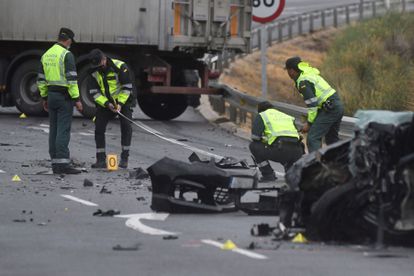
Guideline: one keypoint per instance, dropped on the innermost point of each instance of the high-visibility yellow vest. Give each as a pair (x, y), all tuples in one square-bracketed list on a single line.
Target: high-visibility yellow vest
[(322, 88), (53, 62), (115, 89), (277, 124)]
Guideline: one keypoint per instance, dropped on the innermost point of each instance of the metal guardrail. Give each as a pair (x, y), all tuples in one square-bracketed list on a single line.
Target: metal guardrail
[(241, 108)]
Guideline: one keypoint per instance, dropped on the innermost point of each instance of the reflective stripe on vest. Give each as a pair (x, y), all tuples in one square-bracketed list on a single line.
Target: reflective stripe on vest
[(113, 82), (278, 124), (53, 62), (322, 88)]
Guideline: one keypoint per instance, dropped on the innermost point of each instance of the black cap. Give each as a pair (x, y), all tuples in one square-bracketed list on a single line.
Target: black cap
[(65, 34), (95, 57), (292, 63), (263, 106)]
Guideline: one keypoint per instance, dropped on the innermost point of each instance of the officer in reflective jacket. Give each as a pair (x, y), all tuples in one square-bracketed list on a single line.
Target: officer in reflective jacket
[(275, 138), (58, 86), (325, 109), (111, 88)]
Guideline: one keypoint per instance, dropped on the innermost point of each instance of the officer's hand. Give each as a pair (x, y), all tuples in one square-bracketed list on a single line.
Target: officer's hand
[(79, 106), (118, 107), (305, 128), (112, 108), (45, 107)]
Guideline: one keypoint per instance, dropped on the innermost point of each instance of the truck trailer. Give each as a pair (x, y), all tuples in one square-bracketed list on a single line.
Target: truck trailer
[(162, 41)]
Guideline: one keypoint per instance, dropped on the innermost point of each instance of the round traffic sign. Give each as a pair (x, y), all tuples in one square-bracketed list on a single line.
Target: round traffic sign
[(265, 11)]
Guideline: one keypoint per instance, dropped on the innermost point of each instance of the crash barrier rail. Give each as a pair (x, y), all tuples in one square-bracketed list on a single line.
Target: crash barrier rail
[(305, 23), (241, 108)]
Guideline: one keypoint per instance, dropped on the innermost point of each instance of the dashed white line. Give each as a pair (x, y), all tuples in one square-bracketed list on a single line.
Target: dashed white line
[(84, 202), (244, 252), (133, 221), (1, 171)]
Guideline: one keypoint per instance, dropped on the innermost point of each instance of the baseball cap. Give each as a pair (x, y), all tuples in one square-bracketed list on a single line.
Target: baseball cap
[(66, 33), (292, 63)]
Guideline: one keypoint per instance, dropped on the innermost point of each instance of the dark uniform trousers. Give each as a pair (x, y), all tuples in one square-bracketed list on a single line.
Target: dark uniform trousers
[(284, 150), (103, 116), (60, 119)]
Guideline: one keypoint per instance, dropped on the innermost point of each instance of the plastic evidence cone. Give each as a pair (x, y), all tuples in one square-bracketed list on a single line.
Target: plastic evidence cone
[(22, 116), (299, 238), (228, 245), (16, 178)]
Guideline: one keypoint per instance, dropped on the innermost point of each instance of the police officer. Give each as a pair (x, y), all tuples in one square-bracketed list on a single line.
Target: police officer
[(112, 87), (57, 83), (275, 138), (325, 109)]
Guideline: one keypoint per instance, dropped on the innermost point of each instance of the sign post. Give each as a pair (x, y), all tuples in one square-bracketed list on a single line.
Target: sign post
[(265, 11)]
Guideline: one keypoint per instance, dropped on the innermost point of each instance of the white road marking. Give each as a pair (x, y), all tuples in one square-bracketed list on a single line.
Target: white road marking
[(1, 171), (86, 134), (44, 125), (236, 250), (84, 202), (133, 221), (40, 128)]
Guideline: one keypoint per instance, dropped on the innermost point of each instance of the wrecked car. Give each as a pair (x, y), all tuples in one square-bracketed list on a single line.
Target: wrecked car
[(361, 189)]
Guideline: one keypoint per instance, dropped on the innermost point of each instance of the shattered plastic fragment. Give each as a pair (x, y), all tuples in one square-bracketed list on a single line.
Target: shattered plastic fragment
[(109, 213)]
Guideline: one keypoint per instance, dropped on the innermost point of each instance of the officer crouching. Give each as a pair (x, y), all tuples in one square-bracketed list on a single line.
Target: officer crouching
[(275, 138)]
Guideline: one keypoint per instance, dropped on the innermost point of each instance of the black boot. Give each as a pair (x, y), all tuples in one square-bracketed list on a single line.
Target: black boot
[(268, 175), (124, 159), (65, 169), (100, 161)]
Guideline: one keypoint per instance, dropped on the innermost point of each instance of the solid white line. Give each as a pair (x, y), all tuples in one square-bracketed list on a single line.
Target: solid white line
[(236, 250), (84, 202)]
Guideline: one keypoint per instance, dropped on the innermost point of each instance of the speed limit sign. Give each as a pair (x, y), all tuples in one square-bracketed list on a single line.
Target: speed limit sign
[(265, 11)]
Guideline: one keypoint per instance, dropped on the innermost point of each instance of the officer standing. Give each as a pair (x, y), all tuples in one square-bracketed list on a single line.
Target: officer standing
[(325, 108), (275, 138), (112, 87), (58, 86)]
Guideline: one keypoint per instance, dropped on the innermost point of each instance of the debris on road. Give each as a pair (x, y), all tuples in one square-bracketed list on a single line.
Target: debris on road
[(139, 173), (105, 190), (141, 198), (109, 213), (87, 183), (134, 247), (170, 237), (262, 229), (19, 220)]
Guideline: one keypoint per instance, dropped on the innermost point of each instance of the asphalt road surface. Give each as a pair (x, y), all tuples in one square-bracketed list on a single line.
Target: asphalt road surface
[(46, 230)]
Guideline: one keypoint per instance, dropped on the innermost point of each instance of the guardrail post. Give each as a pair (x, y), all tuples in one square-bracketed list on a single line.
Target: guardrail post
[(300, 29), (311, 22), (348, 19), (218, 104), (259, 38), (361, 9), (323, 19), (280, 31), (374, 9), (269, 35), (290, 29), (336, 18), (233, 113)]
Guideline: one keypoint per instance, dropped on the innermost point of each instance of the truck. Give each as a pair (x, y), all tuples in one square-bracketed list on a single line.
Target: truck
[(163, 43)]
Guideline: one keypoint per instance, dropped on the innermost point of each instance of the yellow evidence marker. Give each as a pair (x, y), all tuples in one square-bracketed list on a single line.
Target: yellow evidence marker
[(112, 162)]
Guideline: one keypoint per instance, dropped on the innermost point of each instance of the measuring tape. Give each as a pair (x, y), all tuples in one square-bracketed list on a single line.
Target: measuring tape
[(171, 140)]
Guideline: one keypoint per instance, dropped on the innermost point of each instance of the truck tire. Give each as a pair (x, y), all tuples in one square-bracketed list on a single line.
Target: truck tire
[(162, 107), (87, 100), (24, 89)]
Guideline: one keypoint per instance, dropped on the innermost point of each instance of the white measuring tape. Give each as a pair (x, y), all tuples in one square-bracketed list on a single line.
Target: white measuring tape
[(171, 140)]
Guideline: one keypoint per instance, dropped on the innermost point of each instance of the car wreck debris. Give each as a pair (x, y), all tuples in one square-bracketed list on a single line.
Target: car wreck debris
[(361, 189)]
